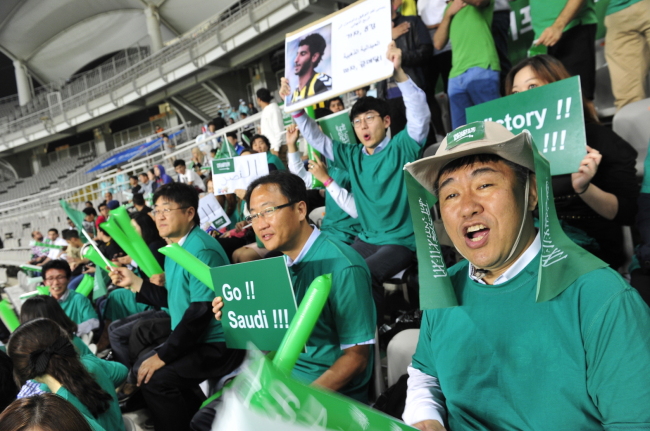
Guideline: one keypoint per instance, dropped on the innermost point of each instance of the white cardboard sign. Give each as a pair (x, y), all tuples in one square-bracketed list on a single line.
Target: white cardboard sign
[(211, 213), (235, 173), (339, 53)]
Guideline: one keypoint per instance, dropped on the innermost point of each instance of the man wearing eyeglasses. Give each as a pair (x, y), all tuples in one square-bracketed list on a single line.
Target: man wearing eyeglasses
[(56, 275), (195, 351), (339, 352), (386, 241)]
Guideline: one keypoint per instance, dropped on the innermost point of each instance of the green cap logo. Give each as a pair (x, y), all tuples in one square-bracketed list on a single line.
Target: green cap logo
[(468, 133)]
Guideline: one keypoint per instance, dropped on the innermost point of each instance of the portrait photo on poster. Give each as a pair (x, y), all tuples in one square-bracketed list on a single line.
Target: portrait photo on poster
[(309, 63)]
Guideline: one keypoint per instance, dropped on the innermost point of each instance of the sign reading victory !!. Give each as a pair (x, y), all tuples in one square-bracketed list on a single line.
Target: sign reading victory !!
[(259, 302), (551, 113)]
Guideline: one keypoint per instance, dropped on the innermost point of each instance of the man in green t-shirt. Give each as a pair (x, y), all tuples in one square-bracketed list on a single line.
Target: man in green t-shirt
[(474, 76), (517, 352), (628, 36), (339, 350), (386, 240), (568, 29), (56, 276), (195, 351)]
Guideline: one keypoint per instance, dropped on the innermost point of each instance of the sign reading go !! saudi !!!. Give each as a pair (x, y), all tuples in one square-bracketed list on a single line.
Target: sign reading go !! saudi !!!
[(551, 113), (259, 302)]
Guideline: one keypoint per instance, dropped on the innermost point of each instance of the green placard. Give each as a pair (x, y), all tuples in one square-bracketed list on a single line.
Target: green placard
[(338, 127), (551, 113), (286, 117), (223, 166), (259, 302)]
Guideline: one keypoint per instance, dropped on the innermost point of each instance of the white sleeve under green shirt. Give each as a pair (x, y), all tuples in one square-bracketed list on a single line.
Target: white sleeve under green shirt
[(576, 362)]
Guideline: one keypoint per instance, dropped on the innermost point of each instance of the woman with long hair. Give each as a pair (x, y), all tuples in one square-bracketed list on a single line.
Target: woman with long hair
[(45, 412), (42, 306), (601, 197), (41, 350)]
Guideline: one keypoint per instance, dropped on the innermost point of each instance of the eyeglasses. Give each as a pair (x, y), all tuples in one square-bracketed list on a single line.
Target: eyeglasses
[(57, 278), (166, 211), (370, 118), (266, 213)]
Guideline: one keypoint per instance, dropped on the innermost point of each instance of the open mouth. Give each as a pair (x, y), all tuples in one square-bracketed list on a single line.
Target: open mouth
[(366, 136), (477, 232)]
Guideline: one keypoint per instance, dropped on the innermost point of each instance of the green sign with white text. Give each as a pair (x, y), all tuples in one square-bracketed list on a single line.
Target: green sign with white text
[(338, 127), (551, 113), (259, 302)]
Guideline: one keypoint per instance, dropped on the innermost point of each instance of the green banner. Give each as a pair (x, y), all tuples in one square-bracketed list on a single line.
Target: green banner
[(42, 244), (264, 397), (563, 261), (436, 290), (552, 113), (77, 218), (8, 315), (338, 127), (259, 302)]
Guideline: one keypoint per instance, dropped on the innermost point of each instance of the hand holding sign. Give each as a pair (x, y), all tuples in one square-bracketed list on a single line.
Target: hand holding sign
[(588, 168)]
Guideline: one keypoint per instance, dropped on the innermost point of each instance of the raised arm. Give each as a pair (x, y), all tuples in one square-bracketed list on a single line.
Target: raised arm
[(441, 37), (308, 127), (294, 160), (418, 115)]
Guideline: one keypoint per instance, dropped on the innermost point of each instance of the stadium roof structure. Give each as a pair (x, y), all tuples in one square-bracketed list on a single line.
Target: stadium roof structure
[(56, 38)]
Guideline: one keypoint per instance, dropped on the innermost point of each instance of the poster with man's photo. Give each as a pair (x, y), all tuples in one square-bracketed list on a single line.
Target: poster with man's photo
[(339, 53)]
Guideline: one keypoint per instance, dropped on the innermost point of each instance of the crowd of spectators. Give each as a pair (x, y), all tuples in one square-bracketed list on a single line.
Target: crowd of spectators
[(499, 360)]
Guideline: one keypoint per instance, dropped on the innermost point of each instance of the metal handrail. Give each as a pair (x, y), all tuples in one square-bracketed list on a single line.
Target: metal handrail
[(70, 99)]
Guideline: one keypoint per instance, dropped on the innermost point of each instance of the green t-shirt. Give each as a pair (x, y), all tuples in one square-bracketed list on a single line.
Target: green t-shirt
[(471, 36), (337, 223), (184, 288), (78, 308), (576, 362), (237, 215), (543, 13), (348, 317), (121, 303), (109, 375), (618, 5), (377, 182), (81, 347), (272, 159)]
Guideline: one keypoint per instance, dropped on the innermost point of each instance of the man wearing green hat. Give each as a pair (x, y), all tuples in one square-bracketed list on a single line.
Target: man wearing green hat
[(545, 335)]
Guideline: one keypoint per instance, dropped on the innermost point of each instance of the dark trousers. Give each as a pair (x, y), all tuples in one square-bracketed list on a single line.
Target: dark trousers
[(500, 27), (203, 419), (577, 51), (173, 395), (119, 334), (384, 261)]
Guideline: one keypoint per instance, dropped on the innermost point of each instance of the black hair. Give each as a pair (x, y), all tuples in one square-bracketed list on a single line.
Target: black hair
[(101, 230), (316, 44), (184, 195), (148, 227), (64, 364), (179, 162), (165, 135), (264, 95), (138, 199), (133, 177), (291, 186), (90, 211), (232, 135), (89, 202), (70, 233), (57, 264), (333, 99), (56, 231), (43, 306), (8, 388), (101, 206), (263, 138), (369, 103), (211, 124), (143, 174), (521, 172)]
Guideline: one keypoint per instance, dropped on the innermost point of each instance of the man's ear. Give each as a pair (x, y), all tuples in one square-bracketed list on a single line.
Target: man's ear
[(315, 57), (302, 210), (386, 120), (532, 192)]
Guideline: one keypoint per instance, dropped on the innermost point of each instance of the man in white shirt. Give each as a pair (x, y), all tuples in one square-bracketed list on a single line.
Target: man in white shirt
[(271, 124), (57, 248), (188, 176)]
